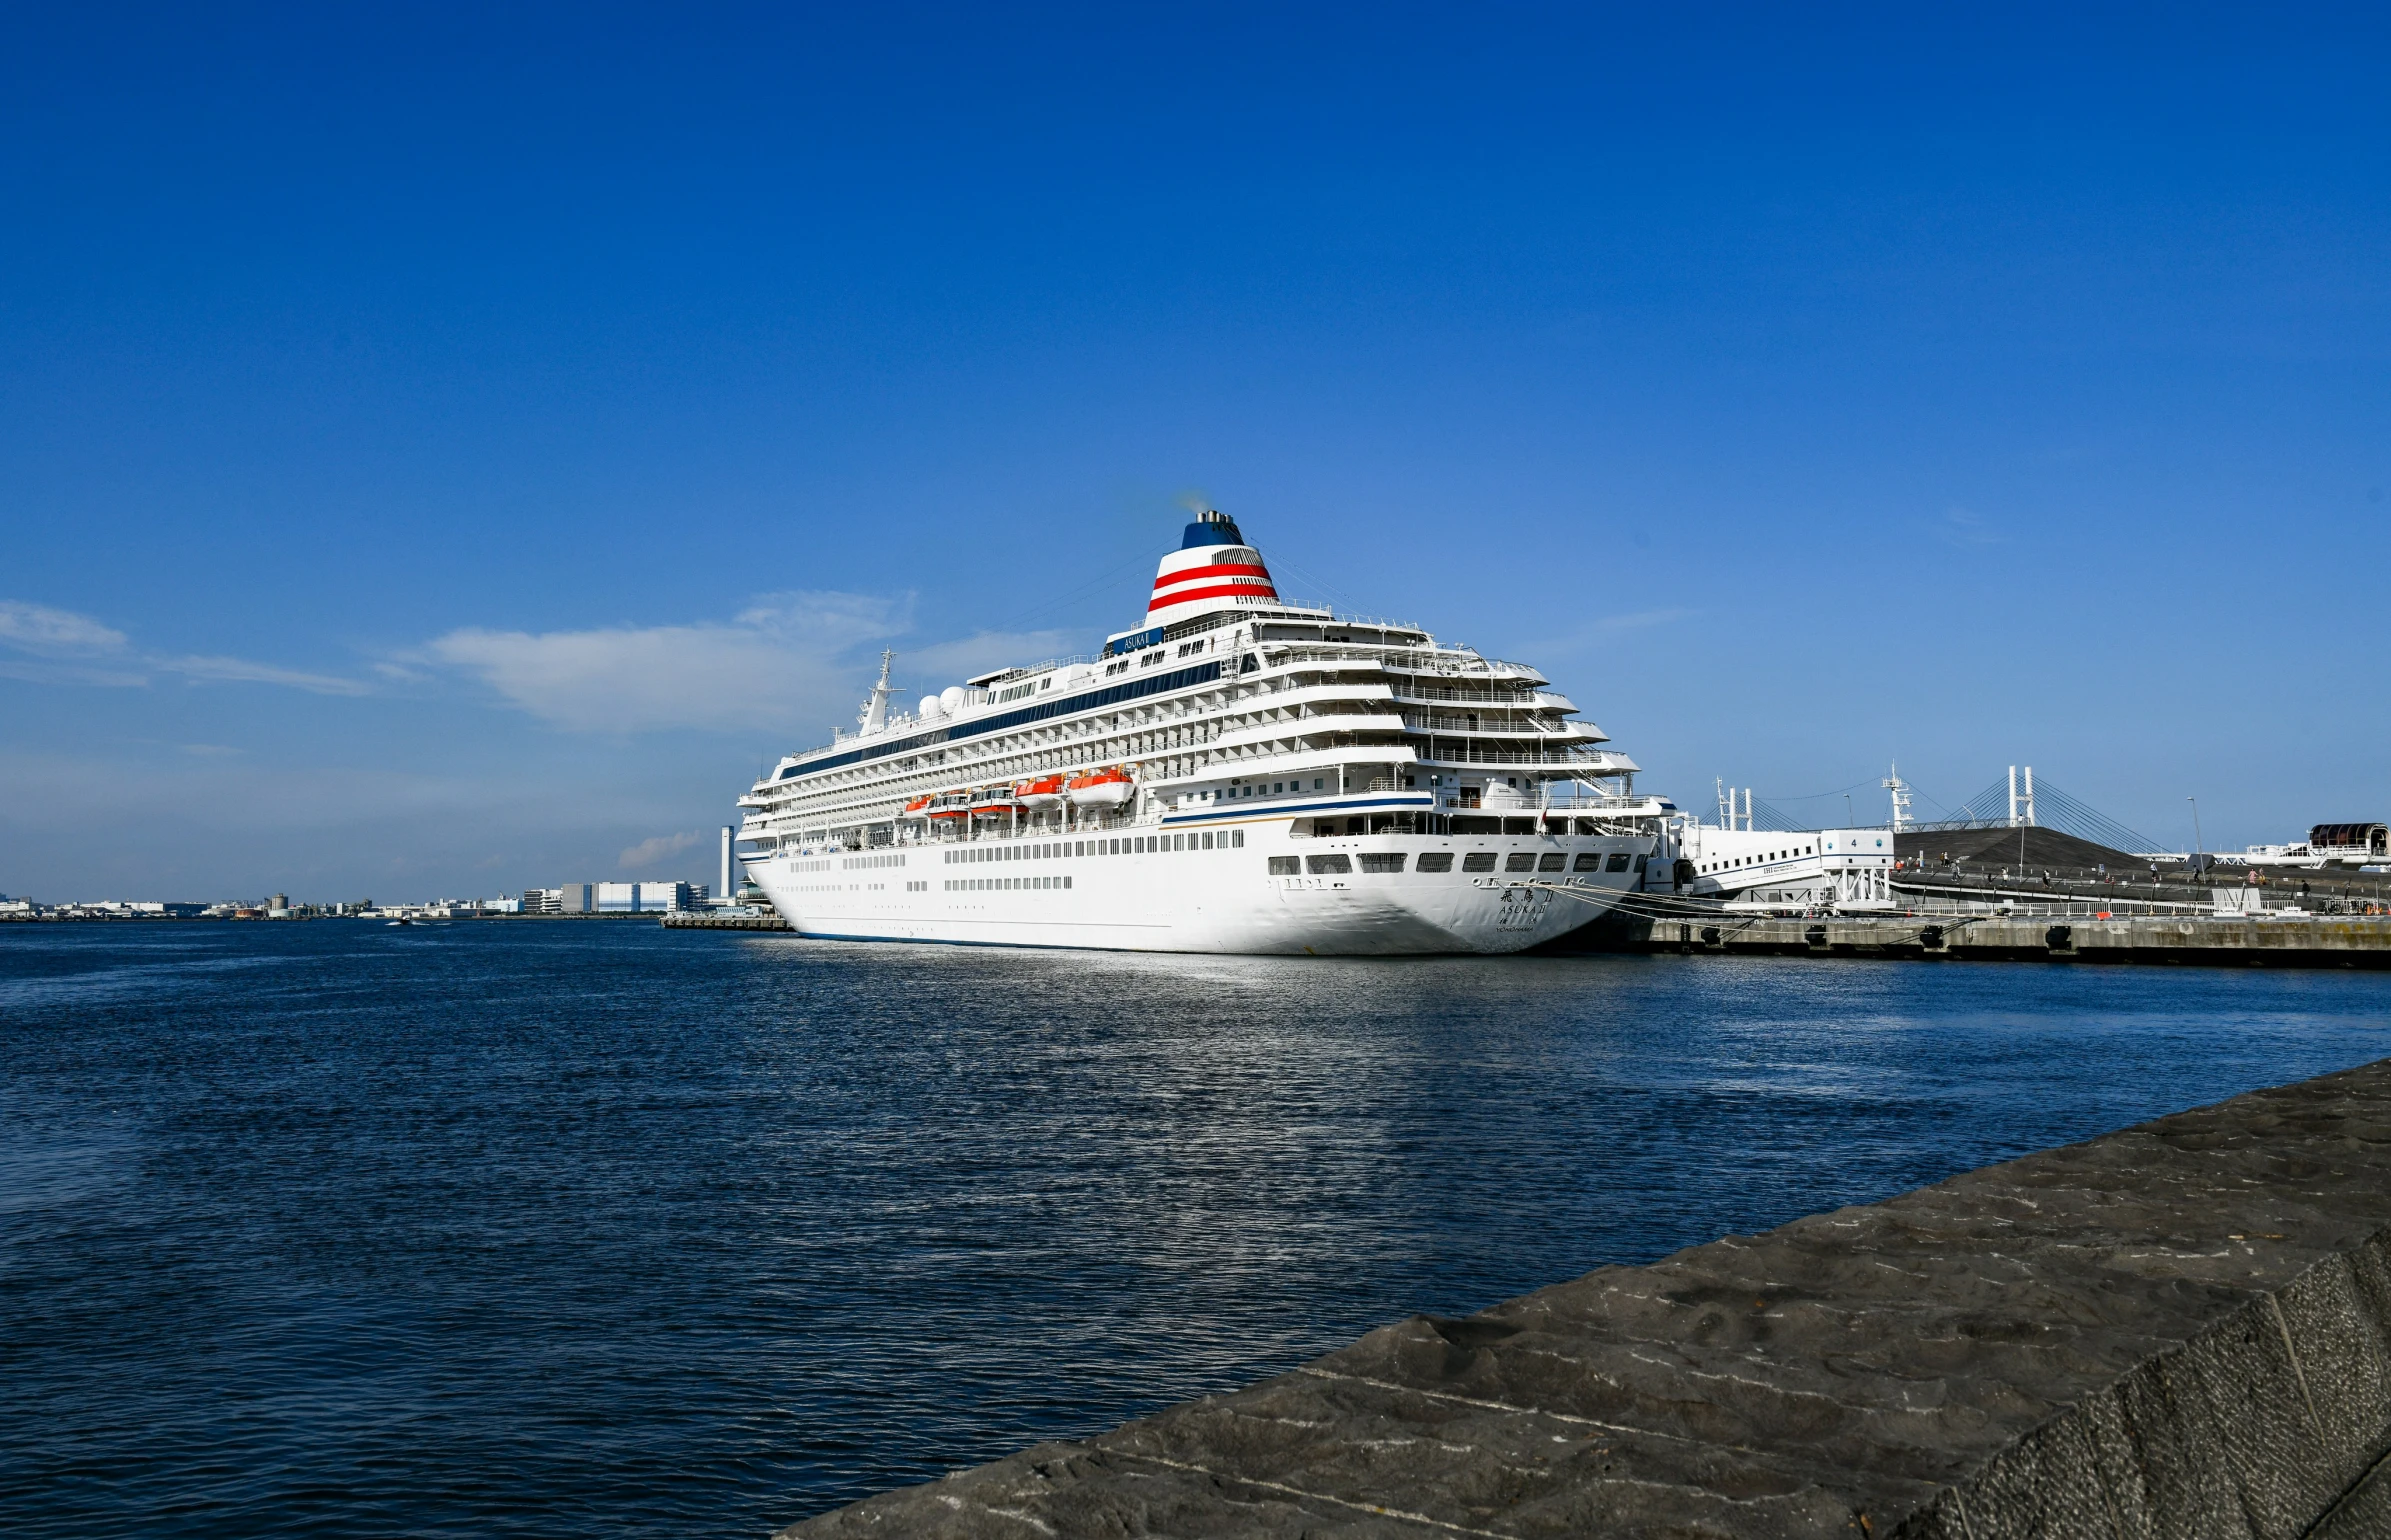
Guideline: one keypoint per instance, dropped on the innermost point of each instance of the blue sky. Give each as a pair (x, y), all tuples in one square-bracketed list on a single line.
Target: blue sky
[(445, 452)]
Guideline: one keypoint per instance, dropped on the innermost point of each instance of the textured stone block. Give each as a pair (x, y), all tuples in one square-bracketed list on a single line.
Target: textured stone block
[(2343, 1346), (2045, 1486), (2363, 1514), (2181, 1331)]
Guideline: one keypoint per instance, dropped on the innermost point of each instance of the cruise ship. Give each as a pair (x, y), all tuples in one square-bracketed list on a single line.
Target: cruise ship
[(1236, 773)]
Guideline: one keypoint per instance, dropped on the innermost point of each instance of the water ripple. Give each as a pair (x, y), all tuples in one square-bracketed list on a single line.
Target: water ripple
[(503, 1230)]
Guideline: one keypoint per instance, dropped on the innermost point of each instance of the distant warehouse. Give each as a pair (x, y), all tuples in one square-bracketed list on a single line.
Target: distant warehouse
[(614, 898)]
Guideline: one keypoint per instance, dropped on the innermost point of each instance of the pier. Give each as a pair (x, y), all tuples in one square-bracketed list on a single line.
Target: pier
[(2062, 934), (702, 921), (2034, 894), (2182, 1329)]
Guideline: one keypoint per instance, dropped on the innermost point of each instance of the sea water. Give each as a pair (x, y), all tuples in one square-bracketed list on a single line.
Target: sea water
[(529, 1228)]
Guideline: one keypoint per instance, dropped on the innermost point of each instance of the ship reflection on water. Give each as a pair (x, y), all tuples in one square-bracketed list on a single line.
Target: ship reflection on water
[(518, 1227)]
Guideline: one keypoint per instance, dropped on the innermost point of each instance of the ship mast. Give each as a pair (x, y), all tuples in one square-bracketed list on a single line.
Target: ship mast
[(875, 711), (1900, 790)]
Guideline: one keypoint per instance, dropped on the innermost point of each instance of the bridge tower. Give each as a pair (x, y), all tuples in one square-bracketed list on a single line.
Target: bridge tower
[(2021, 810)]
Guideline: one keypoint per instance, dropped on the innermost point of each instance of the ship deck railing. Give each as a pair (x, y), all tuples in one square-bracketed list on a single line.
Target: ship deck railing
[(1468, 722), (1592, 763), (1928, 906), (1010, 675), (1455, 664), (1404, 690)]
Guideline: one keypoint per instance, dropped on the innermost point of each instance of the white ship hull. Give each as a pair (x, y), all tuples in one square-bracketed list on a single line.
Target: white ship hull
[(1056, 892)]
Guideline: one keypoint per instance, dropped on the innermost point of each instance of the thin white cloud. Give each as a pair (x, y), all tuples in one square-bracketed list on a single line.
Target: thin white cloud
[(340, 824), (1964, 529), (837, 619), (37, 671), (242, 671), (1572, 642), (786, 662), (68, 648), (39, 628), (650, 851), (944, 663), (219, 792), (783, 661)]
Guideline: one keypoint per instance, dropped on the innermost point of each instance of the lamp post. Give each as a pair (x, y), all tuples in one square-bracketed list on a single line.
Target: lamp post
[(2199, 846)]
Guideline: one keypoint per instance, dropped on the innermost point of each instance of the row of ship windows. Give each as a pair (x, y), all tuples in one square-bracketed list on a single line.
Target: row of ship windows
[(1774, 855), (1337, 865), (1186, 650), (1125, 845), (1442, 861), (1257, 789)]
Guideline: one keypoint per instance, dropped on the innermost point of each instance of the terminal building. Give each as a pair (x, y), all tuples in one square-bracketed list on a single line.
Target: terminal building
[(2362, 845), (615, 898)]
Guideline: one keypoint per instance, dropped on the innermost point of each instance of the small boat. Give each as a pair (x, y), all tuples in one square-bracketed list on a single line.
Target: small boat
[(917, 807), (1108, 787), (948, 805), (1043, 791), (995, 801)]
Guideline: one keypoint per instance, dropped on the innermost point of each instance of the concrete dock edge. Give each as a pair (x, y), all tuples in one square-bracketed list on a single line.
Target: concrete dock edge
[(2182, 1329), (2207, 941)]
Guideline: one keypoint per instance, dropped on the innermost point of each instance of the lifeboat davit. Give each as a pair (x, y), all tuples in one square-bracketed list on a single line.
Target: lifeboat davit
[(1044, 791), (994, 800), (1109, 787)]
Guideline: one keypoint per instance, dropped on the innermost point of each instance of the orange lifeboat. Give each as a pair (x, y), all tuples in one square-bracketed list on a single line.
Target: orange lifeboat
[(996, 801), (917, 807), (1044, 791), (950, 804), (1109, 787)]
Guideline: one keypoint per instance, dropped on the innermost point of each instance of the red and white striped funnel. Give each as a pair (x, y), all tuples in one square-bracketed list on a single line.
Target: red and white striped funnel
[(1213, 569)]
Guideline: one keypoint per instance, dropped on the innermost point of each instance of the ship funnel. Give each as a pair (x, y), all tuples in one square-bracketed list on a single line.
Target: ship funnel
[(1213, 569)]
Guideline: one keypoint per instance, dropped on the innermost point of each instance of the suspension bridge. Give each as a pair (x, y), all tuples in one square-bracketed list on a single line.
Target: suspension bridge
[(2017, 800)]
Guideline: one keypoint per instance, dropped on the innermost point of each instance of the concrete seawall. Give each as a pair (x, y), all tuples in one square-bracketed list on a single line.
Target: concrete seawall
[(726, 922), (2179, 1330), (2315, 942)]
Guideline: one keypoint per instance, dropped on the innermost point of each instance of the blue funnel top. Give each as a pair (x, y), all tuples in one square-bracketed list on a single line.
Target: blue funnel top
[(1211, 528)]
